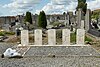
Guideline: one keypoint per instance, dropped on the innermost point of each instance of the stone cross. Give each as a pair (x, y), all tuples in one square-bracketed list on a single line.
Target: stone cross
[(38, 37), (66, 37), (80, 37), (24, 38), (52, 37)]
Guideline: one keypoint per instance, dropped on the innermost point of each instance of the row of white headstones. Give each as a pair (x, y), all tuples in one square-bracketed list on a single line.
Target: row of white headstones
[(80, 36)]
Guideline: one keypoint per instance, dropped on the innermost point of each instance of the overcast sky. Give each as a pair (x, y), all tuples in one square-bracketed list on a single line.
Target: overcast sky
[(14, 7)]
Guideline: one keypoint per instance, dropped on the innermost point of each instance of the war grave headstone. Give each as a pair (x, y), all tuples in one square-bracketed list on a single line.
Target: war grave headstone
[(52, 37), (66, 37), (38, 37), (24, 38), (80, 37)]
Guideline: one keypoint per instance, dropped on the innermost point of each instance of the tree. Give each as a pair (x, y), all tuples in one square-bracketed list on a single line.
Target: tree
[(64, 13), (28, 17), (83, 5), (42, 22)]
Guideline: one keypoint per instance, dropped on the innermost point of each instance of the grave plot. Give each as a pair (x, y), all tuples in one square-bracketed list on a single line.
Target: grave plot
[(62, 51), (65, 49)]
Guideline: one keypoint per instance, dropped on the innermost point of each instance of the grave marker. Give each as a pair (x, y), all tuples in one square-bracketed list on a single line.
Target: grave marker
[(80, 37), (38, 37), (24, 37), (66, 37), (52, 37)]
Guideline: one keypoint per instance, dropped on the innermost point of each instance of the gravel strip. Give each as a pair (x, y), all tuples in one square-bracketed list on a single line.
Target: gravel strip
[(62, 51), (71, 61)]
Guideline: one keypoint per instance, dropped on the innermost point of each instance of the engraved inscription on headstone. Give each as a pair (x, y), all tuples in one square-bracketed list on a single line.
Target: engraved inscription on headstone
[(24, 37), (38, 37), (52, 37), (66, 37), (80, 36)]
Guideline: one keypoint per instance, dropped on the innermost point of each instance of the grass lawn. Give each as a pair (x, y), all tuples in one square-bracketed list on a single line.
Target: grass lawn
[(73, 38)]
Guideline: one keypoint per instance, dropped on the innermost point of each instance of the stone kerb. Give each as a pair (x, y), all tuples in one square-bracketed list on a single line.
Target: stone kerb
[(65, 37), (80, 37), (38, 37), (52, 37), (24, 38)]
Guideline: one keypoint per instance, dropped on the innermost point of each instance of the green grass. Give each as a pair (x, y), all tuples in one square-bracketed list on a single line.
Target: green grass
[(9, 33), (2, 33), (88, 39), (73, 38)]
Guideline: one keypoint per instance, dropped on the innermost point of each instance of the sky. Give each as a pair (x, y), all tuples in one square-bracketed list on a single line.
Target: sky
[(18, 7)]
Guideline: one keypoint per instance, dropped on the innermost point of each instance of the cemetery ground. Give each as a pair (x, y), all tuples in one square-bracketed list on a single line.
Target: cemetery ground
[(50, 60)]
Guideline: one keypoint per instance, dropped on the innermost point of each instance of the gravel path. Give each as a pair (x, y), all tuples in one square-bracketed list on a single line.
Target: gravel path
[(70, 61), (52, 61), (4, 46)]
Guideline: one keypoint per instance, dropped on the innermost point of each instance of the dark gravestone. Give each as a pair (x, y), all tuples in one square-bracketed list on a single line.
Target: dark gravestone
[(95, 25), (71, 27), (94, 32), (18, 32)]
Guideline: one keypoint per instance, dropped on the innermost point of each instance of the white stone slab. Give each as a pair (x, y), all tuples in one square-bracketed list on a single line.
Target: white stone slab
[(80, 38), (52, 37), (38, 37), (24, 37), (65, 37)]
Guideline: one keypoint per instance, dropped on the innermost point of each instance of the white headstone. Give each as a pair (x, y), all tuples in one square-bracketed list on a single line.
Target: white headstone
[(38, 37), (52, 37), (66, 37), (80, 36), (24, 37)]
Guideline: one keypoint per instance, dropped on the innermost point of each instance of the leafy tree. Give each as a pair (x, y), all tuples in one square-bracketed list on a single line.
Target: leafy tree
[(42, 22), (95, 14), (64, 13), (83, 5), (28, 17)]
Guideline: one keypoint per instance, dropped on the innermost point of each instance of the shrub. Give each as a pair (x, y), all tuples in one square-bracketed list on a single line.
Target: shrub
[(9, 33), (2, 33)]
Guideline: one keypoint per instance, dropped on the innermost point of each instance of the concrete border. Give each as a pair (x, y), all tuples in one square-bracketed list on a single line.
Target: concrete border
[(52, 45)]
